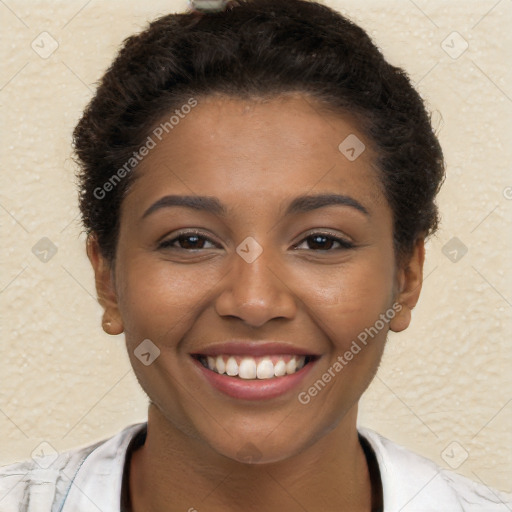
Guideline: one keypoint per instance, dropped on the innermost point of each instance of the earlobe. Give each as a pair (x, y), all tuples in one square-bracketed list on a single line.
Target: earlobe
[(105, 289), (112, 327), (401, 320), (410, 279)]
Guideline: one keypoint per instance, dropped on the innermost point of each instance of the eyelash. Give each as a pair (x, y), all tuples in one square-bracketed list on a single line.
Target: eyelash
[(344, 244)]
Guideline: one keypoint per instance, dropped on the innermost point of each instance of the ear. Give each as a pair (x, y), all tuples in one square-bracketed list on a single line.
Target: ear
[(409, 281), (107, 297)]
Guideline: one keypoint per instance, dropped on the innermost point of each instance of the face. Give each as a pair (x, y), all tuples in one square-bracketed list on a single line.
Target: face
[(286, 261)]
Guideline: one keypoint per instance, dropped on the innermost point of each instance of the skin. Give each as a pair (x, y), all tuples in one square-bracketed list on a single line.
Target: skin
[(255, 157)]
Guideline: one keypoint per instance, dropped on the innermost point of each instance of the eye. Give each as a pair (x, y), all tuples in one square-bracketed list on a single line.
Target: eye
[(189, 240), (325, 241)]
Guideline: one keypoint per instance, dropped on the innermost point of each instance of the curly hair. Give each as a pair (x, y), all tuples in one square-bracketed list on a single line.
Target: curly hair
[(258, 49)]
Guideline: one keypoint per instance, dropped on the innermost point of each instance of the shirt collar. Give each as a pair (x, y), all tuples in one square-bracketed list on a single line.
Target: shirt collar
[(97, 484)]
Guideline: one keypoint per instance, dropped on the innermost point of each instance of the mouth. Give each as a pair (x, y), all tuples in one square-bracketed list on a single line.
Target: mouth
[(260, 376), (255, 368)]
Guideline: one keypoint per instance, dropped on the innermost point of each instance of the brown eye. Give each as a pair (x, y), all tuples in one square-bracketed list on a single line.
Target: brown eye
[(325, 242), (186, 241)]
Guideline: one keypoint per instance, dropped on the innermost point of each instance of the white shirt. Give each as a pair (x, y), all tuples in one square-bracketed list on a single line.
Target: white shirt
[(90, 480)]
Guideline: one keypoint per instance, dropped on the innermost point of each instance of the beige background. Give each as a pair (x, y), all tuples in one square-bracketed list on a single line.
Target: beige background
[(445, 385)]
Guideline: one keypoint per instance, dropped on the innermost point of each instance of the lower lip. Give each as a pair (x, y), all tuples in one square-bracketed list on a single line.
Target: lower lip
[(254, 389)]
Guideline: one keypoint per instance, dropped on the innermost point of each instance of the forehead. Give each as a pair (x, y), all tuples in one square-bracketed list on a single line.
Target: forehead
[(248, 150)]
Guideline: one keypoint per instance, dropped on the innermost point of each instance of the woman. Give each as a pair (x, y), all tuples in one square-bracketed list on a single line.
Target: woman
[(257, 184)]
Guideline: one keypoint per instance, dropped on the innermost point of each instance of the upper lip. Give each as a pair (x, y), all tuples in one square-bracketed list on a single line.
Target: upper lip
[(253, 348)]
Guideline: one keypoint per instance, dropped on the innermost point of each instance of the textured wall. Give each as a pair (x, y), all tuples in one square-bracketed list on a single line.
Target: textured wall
[(444, 387)]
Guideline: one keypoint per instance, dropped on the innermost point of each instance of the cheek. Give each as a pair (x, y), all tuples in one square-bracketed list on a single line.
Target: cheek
[(349, 314), (159, 299), (346, 299)]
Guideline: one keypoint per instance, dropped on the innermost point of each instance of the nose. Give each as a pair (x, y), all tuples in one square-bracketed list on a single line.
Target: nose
[(256, 292)]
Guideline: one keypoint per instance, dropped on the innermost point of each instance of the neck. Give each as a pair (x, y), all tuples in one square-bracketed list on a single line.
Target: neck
[(173, 467)]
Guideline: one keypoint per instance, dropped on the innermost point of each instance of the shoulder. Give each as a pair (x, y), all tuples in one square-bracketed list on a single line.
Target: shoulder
[(46, 482), (414, 483), (45, 479)]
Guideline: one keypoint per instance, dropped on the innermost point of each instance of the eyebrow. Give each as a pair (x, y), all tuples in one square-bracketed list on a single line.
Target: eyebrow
[(306, 203), (301, 204), (203, 203)]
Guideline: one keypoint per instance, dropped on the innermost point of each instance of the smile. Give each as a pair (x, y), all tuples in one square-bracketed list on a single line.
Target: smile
[(261, 376), (254, 368)]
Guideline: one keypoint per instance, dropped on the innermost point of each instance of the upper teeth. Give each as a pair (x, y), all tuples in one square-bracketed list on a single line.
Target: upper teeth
[(245, 367)]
